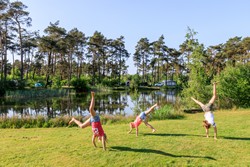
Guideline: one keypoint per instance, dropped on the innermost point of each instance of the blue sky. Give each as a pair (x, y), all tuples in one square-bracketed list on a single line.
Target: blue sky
[(215, 20)]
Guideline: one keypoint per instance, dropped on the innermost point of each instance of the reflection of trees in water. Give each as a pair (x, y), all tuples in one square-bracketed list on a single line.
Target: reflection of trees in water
[(145, 99), (111, 103)]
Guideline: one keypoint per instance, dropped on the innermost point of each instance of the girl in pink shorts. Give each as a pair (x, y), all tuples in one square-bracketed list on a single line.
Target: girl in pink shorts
[(93, 121), (142, 118)]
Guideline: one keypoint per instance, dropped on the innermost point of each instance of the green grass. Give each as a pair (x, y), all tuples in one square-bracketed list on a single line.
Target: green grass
[(175, 143)]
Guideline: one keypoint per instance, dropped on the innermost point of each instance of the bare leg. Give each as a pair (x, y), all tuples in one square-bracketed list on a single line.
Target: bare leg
[(93, 140), (92, 104), (151, 109), (150, 126), (103, 143), (198, 102), (215, 132), (137, 131), (214, 94), (131, 128), (207, 131), (80, 124)]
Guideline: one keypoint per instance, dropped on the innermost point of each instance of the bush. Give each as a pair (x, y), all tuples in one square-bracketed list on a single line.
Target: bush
[(59, 122), (40, 120), (80, 85), (2, 90), (114, 119), (167, 112), (134, 83), (110, 82), (234, 86)]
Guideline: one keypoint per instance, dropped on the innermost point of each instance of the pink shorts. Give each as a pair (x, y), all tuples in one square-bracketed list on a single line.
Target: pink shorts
[(137, 122)]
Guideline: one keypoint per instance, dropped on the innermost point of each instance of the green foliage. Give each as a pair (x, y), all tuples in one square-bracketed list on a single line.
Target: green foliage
[(56, 82), (135, 81), (31, 122), (2, 89), (110, 82), (64, 82), (114, 119), (11, 84), (198, 80), (234, 86), (167, 112), (21, 84), (58, 122), (80, 85)]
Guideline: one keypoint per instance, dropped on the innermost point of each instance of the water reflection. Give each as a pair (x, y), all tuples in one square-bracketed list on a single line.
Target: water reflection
[(112, 103)]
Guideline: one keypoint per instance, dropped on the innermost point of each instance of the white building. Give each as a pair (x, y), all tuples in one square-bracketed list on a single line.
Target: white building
[(169, 83)]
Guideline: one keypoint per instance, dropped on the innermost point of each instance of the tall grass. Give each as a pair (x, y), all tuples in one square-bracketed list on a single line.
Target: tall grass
[(167, 112), (33, 122)]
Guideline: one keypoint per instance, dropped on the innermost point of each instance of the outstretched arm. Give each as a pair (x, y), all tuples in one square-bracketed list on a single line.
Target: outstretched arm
[(92, 104), (214, 94), (151, 109)]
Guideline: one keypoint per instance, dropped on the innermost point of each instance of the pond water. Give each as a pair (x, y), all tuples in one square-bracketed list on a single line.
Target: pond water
[(110, 103)]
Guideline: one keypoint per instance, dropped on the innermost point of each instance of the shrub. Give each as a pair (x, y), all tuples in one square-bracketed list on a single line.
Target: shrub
[(167, 112), (2, 89), (113, 119), (40, 120), (59, 122), (234, 86), (110, 82), (80, 85)]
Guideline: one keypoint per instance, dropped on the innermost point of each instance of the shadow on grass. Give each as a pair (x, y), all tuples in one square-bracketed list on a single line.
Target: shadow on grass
[(144, 150), (167, 134), (236, 138)]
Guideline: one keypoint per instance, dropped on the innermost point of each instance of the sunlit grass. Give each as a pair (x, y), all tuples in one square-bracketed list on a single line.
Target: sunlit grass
[(175, 143)]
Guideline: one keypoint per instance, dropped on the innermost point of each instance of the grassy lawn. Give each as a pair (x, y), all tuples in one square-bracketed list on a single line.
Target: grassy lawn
[(175, 143)]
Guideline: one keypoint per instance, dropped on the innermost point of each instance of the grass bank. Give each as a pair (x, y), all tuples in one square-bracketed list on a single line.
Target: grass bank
[(175, 143)]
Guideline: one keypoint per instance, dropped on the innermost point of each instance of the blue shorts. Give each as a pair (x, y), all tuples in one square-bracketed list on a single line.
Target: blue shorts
[(143, 116), (95, 119)]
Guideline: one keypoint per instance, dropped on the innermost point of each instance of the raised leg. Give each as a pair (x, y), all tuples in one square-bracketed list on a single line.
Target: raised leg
[(214, 94), (151, 109), (80, 124), (92, 104)]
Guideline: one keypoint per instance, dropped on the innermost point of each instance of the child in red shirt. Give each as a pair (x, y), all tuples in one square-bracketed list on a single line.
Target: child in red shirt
[(93, 121)]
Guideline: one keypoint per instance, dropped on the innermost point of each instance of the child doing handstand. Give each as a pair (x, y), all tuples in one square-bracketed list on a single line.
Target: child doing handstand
[(142, 118), (209, 116), (93, 121)]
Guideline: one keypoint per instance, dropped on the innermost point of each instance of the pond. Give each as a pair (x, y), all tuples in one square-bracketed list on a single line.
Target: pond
[(71, 104)]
